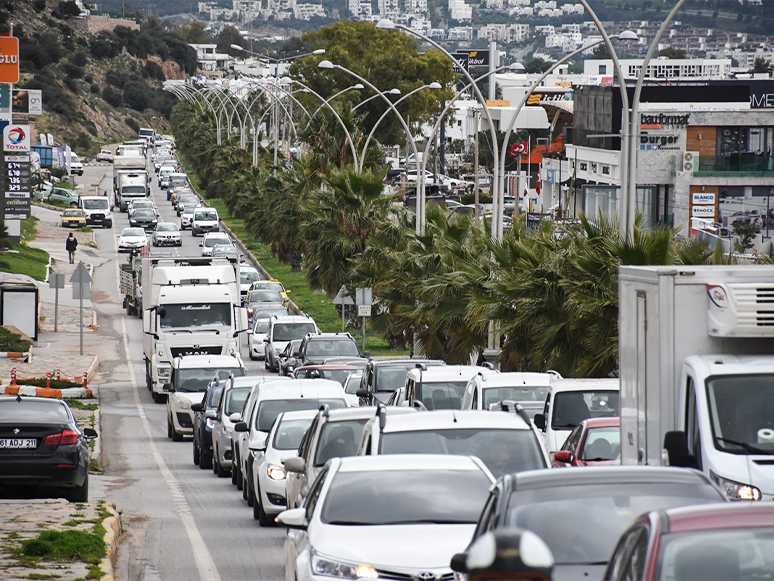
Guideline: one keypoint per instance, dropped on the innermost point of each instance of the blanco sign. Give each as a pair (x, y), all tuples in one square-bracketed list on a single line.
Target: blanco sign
[(703, 211), (702, 198)]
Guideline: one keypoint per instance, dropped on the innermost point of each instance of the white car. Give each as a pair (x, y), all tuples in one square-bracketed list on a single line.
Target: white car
[(351, 385), (205, 220), (164, 172), (281, 443), (527, 389), (97, 210), (167, 234), (186, 217), (391, 517), (131, 238), (228, 412), (212, 239), (247, 276), (506, 442), (284, 329), (76, 167), (105, 155), (141, 204), (440, 387), (256, 335)]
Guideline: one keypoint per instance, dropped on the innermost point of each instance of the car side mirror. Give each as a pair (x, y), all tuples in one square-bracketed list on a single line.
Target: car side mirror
[(361, 393), (196, 407), (201, 244), (259, 446), (241, 427), (249, 331), (235, 417), (90, 433), (459, 563), (294, 518), (266, 340), (168, 387), (676, 446), (211, 414), (294, 464), (367, 354), (296, 354), (563, 456), (540, 421)]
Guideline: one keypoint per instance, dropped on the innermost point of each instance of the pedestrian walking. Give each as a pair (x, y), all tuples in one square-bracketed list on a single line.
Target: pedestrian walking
[(71, 245)]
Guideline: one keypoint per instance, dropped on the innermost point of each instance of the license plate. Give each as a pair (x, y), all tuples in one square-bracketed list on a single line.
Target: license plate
[(18, 443)]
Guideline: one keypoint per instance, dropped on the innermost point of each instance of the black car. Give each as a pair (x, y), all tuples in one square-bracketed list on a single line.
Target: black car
[(315, 349), (143, 218), (381, 378), (42, 446), (581, 512), (202, 427)]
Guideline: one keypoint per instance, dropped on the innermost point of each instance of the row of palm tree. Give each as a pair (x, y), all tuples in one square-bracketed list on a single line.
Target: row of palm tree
[(550, 295)]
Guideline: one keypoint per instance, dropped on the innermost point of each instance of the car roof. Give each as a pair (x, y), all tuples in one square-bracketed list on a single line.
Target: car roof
[(319, 336), (602, 422), (596, 475), (291, 318), (301, 388), (719, 516), (456, 419), (514, 379), (330, 366), (192, 361), (414, 462), (298, 415), (449, 373), (408, 363), (248, 380), (586, 384)]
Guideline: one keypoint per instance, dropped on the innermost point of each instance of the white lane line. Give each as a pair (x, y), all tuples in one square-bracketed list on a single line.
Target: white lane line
[(202, 557)]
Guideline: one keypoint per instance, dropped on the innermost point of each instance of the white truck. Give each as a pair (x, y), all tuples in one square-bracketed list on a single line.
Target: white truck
[(131, 186), (191, 306), (697, 372), (127, 163)]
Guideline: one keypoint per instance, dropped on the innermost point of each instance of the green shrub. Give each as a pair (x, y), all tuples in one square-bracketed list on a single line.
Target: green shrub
[(82, 142), (136, 95), (116, 78), (95, 89), (55, 383), (132, 123), (79, 59), (112, 96), (73, 71), (72, 84), (12, 342), (66, 545), (155, 71), (39, 5)]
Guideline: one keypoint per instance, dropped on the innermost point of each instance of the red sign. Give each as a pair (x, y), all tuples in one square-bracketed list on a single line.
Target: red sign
[(9, 60)]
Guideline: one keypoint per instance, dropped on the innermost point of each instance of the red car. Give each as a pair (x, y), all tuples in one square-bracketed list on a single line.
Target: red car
[(335, 372), (593, 442), (725, 542)]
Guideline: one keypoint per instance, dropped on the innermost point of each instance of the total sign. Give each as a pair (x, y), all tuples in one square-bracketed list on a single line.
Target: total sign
[(16, 138)]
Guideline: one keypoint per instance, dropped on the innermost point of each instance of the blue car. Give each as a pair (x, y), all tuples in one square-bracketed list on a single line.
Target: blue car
[(202, 426)]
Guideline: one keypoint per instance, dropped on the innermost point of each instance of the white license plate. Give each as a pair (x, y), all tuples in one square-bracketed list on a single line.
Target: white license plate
[(18, 443)]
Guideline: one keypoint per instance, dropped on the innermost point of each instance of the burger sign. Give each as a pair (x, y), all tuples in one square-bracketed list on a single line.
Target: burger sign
[(16, 138)]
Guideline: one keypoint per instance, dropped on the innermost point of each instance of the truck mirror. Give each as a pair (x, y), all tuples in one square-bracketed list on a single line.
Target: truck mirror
[(361, 393), (676, 445), (540, 421), (146, 327), (168, 387)]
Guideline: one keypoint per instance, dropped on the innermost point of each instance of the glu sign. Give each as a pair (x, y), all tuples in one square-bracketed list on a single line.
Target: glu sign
[(9, 59), (703, 198), (16, 138)]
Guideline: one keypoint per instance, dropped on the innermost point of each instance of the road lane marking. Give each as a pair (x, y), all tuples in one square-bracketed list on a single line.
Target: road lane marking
[(202, 558)]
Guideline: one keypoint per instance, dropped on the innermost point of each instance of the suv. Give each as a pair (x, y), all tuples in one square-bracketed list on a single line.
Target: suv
[(527, 389), (440, 388), (211, 239), (282, 330), (333, 433), (382, 378), (204, 220), (97, 210), (315, 349)]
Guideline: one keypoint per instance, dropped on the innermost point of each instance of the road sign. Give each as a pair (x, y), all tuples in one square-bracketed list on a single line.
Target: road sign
[(363, 296), (364, 310), (56, 280), (81, 290), (81, 274), (9, 59)]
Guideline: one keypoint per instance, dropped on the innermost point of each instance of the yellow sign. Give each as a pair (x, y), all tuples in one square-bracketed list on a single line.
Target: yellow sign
[(498, 103), (534, 99)]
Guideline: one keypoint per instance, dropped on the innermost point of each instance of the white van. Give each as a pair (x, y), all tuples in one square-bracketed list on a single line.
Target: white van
[(76, 167), (570, 401), (205, 220), (97, 209)]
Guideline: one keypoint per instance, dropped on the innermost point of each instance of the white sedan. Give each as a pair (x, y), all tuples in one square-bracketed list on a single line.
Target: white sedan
[(105, 155), (167, 234), (359, 523), (132, 238)]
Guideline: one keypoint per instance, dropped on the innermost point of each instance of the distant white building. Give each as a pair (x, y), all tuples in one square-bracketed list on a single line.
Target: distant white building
[(307, 11), (208, 59), (545, 29), (460, 33), (518, 32), (460, 11), (438, 33), (663, 68), (415, 6), (388, 8), (573, 8), (525, 11), (494, 4)]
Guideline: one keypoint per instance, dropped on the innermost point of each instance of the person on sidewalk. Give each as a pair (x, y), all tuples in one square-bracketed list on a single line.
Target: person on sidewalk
[(71, 245)]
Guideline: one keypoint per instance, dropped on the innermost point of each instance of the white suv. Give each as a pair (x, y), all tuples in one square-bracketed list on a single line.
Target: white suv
[(205, 220), (211, 239), (283, 330)]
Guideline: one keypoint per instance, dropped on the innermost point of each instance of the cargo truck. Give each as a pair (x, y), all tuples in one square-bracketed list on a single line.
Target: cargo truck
[(126, 163), (697, 372), (131, 185), (190, 306)]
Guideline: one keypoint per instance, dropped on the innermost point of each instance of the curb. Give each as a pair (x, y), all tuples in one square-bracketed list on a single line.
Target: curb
[(113, 530), (32, 391), (94, 365)]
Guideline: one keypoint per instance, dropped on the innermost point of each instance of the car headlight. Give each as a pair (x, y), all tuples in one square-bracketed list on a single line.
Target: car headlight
[(329, 567), (275, 472), (183, 403), (736, 490), (164, 373)]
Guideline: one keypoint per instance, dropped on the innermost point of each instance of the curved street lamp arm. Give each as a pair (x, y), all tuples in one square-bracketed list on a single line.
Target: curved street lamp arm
[(339, 94)]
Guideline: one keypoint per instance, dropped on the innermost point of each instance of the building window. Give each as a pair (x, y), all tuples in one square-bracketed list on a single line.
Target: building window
[(606, 170), (584, 166), (594, 168), (602, 69)]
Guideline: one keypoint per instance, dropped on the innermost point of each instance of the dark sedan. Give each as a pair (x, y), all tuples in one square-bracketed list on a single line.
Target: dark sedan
[(581, 513), (143, 218), (42, 446), (202, 427)]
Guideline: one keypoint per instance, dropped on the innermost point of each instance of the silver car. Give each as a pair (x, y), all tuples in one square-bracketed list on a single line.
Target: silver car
[(228, 412), (166, 234)]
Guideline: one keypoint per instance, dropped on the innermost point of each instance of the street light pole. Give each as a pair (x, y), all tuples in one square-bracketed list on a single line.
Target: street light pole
[(378, 94), (355, 87)]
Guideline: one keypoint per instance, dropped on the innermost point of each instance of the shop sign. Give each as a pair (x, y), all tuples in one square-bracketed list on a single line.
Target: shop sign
[(703, 198), (703, 211), (657, 141), (476, 58), (657, 121)]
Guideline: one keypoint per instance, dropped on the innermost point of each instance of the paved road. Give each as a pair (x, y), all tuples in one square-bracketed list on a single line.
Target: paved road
[(183, 522)]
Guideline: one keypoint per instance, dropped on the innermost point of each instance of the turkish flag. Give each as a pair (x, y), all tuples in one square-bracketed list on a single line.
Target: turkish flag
[(519, 148)]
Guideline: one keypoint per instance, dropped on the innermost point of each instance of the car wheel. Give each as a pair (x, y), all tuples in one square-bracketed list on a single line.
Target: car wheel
[(80, 493), (259, 514), (148, 382), (205, 461), (196, 457), (240, 483), (170, 428), (214, 461), (234, 477), (250, 492), (158, 397), (252, 357)]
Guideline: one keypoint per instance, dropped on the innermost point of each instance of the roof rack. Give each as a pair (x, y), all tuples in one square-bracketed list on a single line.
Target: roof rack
[(508, 405)]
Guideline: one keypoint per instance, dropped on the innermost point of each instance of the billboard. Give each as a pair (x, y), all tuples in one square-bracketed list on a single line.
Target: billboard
[(9, 59), (16, 138), (476, 58), (27, 102)]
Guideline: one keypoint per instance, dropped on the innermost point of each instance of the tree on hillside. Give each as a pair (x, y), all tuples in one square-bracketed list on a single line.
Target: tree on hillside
[(228, 36), (388, 59), (601, 52), (193, 32), (672, 53), (536, 65), (761, 65)]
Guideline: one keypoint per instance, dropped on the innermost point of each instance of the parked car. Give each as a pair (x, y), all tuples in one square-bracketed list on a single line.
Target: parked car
[(73, 218), (581, 513), (202, 425), (717, 541), (132, 238), (381, 378), (284, 329), (282, 442), (229, 412), (167, 234), (105, 155), (61, 195), (315, 348), (594, 442), (505, 442), (211, 239), (41, 445), (359, 517)]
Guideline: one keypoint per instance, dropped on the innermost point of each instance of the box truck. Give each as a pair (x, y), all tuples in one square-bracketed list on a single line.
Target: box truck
[(697, 372)]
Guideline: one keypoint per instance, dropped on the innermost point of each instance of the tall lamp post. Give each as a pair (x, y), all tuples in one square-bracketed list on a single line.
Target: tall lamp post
[(355, 87), (378, 94)]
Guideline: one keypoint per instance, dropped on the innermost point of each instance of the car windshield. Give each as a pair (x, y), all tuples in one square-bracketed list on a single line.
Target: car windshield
[(143, 213), (31, 410), (443, 395), (235, 399), (521, 393), (208, 216), (72, 213), (215, 240), (353, 384), (166, 227), (188, 211), (99, 204), (195, 315), (742, 413), (289, 434), (198, 379), (503, 451), (133, 190), (602, 444), (572, 407), (133, 232), (339, 375), (270, 285), (437, 496), (291, 348), (581, 524), (292, 331), (248, 276), (743, 553), (261, 326), (268, 410), (265, 296), (338, 439), (390, 378), (331, 348)]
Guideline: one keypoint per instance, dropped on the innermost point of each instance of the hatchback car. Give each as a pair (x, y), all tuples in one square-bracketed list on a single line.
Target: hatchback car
[(167, 234), (351, 385), (202, 426), (41, 445), (282, 330), (227, 251), (228, 412), (581, 514), (263, 298), (73, 218), (595, 442), (527, 389), (440, 387), (247, 276), (105, 155), (61, 195), (391, 517), (698, 543), (132, 238), (316, 348), (212, 239), (256, 335)]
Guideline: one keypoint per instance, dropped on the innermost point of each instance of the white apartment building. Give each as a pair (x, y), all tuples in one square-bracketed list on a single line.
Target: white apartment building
[(512, 3), (663, 68), (494, 4), (518, 32), (460, 11), (438, 33), (525, 11), (415, 6), (573, 9), (460, 33), (388, 8), (545, 29), (307, 11)]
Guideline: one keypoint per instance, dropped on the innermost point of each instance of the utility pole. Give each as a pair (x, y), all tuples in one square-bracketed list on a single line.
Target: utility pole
[(475, 165)]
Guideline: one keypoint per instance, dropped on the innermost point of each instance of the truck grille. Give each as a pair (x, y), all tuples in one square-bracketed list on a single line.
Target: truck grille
[(197, 350)]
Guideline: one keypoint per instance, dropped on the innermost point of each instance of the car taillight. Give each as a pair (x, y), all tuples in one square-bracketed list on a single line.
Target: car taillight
[(63, 438)]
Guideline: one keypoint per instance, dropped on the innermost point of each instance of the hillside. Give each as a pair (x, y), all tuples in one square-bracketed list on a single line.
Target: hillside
[(98, 86)]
